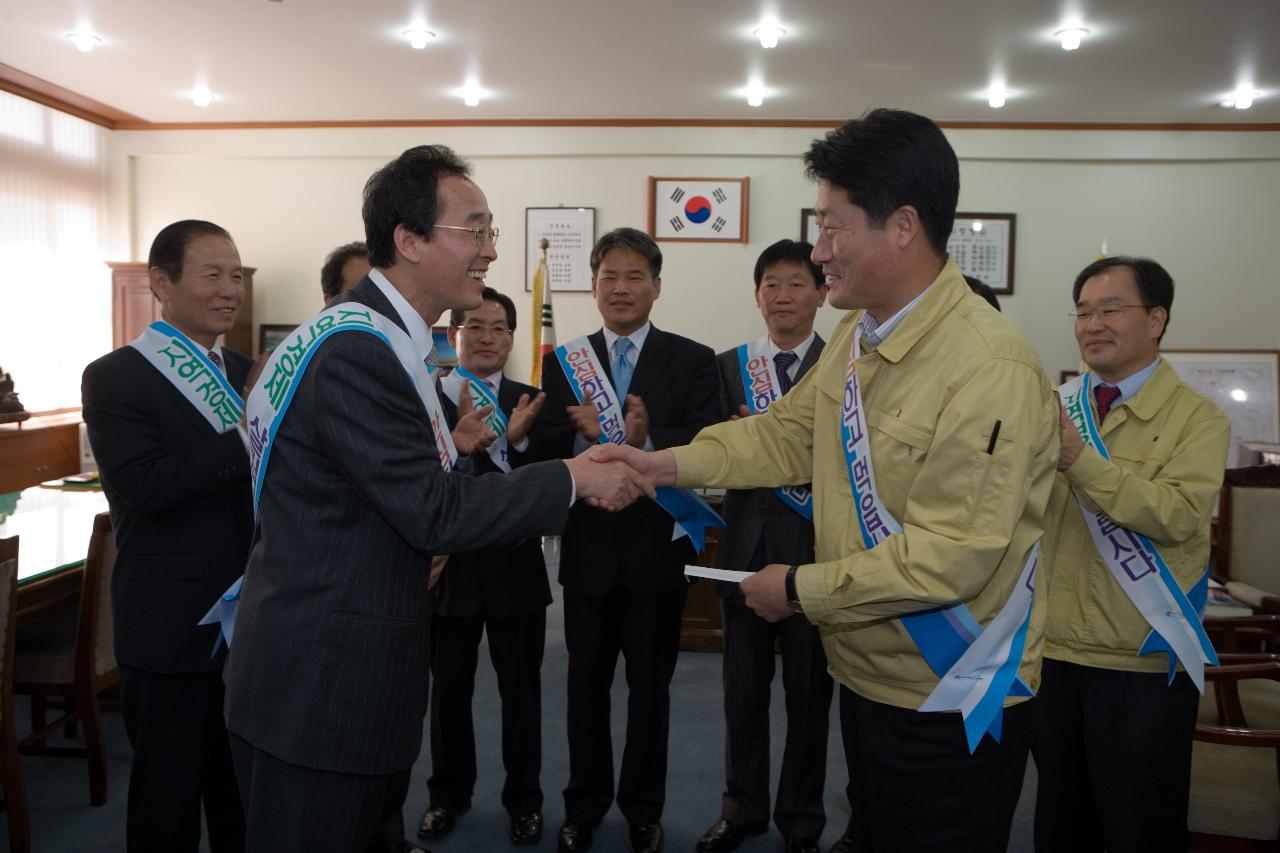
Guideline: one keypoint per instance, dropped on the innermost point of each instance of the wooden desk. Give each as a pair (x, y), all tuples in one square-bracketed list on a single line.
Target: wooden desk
[(54, 526)]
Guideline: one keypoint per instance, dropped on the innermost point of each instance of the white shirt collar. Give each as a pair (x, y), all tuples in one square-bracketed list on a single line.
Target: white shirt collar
[(493, 379), (877, 332), (637, 339), (417, 327), (801, 349)]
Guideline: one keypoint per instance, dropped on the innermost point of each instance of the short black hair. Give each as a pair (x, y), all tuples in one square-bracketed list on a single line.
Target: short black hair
[(458, 316), (627, 238), (794, 251), (403, 192), (888, 159), (983, 289), (331, 272), (1155, 285), (170, 246)]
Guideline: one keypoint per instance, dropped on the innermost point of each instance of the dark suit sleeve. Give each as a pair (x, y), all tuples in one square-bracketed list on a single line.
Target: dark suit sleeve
[(122, 413), (727, 368), (702, 403), (556, 430), (369, 423)]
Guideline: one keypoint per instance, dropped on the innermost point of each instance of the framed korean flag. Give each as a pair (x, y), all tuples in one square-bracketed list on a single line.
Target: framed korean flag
[(698, 210)]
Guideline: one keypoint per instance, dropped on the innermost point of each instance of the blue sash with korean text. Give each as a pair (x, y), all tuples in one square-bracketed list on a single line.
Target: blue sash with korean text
[(977, 667), (273, 392), (761, 388), (590, 385), (186, 365), (1136, 564)]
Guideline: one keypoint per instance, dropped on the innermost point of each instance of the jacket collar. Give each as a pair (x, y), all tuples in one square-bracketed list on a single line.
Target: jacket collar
[(1154, 393), (943, 294)]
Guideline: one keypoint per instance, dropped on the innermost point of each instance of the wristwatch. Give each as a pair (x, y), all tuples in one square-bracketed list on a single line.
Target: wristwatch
[(793, 600)]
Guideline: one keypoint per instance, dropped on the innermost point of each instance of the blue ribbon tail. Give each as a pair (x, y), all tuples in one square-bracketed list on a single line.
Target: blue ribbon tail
[(223, 614), (1198, 597), (692, 513), (988, 715)]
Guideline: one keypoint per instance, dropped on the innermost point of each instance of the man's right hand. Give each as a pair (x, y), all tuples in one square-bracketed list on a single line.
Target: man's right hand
[(607, 485), (586, 420), (658, 466)]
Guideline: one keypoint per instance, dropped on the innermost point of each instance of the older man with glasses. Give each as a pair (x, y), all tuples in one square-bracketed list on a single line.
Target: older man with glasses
[(1125, 550)]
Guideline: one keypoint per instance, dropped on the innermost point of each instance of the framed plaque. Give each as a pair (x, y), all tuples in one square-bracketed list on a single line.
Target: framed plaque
[(808, 225), (1244, 383), (571, 231), (982, 245), (698, 210)]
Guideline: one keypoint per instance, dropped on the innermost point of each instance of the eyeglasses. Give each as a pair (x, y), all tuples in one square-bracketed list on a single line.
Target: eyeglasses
[(478, 328), (482, 233), (1105, 313)]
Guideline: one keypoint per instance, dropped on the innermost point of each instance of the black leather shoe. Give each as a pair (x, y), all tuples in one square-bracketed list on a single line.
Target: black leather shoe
[(844, 845), (525, 828), (724, 836), (438, 821), (794, 846), (646, 838), (575, 836)]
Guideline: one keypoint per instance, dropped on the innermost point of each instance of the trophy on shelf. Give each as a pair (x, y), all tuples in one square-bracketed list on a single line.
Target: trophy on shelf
[(11, 409)]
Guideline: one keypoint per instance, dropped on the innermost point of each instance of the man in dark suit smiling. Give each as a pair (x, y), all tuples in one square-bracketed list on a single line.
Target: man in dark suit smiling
[(623, 575), (161, 415)]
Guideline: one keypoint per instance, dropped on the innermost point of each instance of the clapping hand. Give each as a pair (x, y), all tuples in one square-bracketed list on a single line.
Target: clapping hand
[(472, 434), (586, 420), (637, 421), (523, 416)]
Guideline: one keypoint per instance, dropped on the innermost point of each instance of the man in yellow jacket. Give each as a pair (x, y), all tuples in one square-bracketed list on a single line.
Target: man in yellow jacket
[(950, 429), (1113, 736)]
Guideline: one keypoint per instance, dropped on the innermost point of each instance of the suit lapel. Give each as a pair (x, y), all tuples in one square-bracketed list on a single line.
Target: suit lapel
[(602, 352), (811, 357), (653, 361)]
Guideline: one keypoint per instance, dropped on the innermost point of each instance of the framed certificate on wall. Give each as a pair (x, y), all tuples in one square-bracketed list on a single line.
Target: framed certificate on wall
[(571, 232), (982, 245)]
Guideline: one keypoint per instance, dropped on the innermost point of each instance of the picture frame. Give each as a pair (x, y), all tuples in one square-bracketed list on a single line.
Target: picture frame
[(1244, 383), (271, 334), (983, 246), (699, 210), (571, 231), (808, 225), (446, 355)]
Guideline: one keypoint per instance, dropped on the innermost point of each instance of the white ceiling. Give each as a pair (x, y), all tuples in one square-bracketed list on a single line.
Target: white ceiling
[(334, 60)]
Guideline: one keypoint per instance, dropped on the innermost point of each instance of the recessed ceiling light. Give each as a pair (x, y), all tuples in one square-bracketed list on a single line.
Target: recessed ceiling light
[(418, 37), (1242, 98), (84, 42), (471, 94), (201, 96), (769, 34), (996, 96), (755, 94), (1070, 37)]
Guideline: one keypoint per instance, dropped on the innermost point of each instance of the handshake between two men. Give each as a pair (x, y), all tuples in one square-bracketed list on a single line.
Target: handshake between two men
[(612, 477)]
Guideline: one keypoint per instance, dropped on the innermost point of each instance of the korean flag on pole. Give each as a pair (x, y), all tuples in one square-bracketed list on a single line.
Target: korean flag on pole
[(687, 209)]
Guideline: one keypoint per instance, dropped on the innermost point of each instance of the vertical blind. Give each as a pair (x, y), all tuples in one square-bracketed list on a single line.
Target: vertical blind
[(55, 290)]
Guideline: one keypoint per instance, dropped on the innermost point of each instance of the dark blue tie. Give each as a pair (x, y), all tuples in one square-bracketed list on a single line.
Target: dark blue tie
[(783, 361)]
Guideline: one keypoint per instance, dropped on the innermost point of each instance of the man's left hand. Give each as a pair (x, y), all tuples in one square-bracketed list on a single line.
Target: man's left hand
[(472, 434), (637, 420), (766, 592), (522, 417), (1072, 444)]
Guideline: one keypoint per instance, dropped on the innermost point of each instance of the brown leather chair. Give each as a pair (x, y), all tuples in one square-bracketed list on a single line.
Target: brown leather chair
[(15, 797), (1248, 546), (1235, 758), (68, 657)]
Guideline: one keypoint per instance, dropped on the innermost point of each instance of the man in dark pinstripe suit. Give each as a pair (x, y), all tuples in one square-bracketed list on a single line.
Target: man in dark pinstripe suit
[(760, 528), (327, 676)]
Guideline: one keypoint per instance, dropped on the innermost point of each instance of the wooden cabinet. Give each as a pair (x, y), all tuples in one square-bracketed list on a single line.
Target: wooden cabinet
[(133, 308), (43, 448)]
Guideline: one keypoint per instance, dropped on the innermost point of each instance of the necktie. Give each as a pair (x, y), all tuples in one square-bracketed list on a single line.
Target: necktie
[(621, 367), (1106, 396), (783, 362), (216, 359)]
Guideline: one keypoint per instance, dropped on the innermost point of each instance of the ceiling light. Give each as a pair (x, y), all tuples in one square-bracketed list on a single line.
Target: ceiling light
[(1241, 98), (471, 94), (201, 96), (84, 42), (755, 95), (418, 37), (1070, 37), (769, 35), (996, 97)]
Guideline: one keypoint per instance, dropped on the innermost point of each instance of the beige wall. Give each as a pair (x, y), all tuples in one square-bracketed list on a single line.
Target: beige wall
[(1205, 204)]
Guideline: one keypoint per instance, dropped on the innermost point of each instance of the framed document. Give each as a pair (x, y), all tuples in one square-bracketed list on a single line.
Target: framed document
[(698, 210), (571, 231), (271, 334), (983, 246), (1244, 385), (808, 225)]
